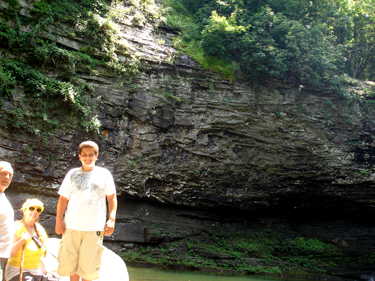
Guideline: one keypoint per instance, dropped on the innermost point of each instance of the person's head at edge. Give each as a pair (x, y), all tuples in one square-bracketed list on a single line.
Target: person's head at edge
[(88, 152), (6, 174)]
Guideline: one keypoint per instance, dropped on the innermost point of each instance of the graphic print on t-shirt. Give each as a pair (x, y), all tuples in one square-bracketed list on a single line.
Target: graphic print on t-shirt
[(84, 184), (87, 195)]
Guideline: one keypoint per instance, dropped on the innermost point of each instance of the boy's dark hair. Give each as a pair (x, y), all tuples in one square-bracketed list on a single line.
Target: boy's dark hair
[(89, 144)]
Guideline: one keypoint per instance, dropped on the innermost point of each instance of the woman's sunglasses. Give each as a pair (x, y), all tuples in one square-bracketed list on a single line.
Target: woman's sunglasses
[(32, 209)]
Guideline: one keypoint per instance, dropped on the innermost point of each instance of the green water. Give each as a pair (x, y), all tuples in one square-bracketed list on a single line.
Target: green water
[(155, 274)]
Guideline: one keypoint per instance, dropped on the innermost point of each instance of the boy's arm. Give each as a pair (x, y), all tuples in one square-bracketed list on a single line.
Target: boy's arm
[(61, 207), (112, 209)]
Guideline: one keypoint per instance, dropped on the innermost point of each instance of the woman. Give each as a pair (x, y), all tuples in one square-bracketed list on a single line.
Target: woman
[(29, 243)]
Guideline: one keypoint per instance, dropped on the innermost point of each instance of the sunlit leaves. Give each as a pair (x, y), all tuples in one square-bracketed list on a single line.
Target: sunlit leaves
[(309, 42), (313, 55)]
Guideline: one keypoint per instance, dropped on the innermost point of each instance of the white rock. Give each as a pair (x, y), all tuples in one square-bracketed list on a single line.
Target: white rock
[(113, 267)]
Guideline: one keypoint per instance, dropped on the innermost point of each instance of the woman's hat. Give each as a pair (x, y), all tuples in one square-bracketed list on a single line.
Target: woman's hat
[(31, 203)]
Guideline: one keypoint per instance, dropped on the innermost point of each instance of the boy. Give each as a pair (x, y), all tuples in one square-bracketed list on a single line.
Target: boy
[(82, 195), (6, 216)]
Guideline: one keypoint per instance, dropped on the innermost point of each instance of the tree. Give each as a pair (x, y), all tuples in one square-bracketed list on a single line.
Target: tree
[(361, 43), (311, 41), (219, 35)]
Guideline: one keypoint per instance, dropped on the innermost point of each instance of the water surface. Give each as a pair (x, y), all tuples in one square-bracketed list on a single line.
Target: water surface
[(157, 274)]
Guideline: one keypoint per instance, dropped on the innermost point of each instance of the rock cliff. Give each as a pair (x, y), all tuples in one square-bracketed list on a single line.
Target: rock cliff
[(181, 139)]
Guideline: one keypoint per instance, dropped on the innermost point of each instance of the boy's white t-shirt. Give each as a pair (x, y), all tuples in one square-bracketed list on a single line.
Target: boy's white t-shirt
[(6, 226), (87, 193)]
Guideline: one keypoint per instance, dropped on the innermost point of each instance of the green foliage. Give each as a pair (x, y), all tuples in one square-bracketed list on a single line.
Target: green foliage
[(180, 18), (43, 104), (313, 56), (7, 82), (37, 111), (272, 252), (306, 42), (7, 35), (306, 245), (367, 259), (261, 57), (219, 33), (365, 172), (69, 11), (27, 150), (91, 19), (355, 30)]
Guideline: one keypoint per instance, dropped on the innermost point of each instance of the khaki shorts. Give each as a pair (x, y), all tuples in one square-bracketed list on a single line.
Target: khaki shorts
[(80, 253)]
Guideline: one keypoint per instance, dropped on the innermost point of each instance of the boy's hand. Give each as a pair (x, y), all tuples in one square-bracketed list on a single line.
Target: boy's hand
[(59, 227), (109, 227)]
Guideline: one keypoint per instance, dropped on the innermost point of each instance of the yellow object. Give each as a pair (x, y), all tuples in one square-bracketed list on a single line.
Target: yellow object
[(32, 203), (32, 254)]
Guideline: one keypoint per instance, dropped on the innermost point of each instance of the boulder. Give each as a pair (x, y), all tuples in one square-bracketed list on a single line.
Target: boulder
[(113, 267)]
